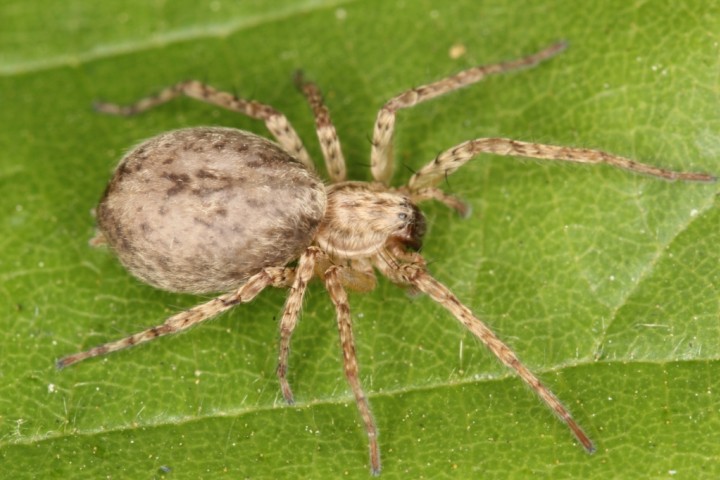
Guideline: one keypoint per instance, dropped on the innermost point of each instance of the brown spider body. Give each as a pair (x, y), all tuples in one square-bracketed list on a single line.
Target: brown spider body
[(201, 210), (216, 209)]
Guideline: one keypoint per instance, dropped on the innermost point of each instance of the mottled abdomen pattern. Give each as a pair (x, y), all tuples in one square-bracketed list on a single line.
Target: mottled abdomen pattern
[(201, 209)]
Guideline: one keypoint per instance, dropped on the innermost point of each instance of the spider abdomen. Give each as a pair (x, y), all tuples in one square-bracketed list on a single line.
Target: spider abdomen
[(201, 209)]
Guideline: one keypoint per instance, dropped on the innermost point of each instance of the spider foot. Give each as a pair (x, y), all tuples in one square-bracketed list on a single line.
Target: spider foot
[(286, 391)]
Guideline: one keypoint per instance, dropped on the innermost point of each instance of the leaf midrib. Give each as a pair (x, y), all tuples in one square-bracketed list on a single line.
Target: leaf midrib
[(344, 399)]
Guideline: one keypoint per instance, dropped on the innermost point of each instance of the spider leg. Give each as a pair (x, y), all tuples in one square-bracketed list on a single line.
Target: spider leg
[(432, 193), (381, 156), (275, 121), (277, 277), (418, 276), (450, 160), (334, 285), (329, 141), (303, 273)]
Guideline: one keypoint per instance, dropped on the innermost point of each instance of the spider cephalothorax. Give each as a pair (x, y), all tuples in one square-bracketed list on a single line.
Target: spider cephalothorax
[(216, 209), (361, 217)]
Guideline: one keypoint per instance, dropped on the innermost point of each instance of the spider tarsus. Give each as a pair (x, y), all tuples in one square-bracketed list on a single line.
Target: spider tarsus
[(557, 47), (287, 392), (467, 212), (581, 436), (112, 109), (63, 362), (463, 209), (375, 466), (696, 177), (299, 78)]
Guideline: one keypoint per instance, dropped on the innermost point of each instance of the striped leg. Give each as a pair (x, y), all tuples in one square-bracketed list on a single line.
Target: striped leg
[(450, 160), (381, 157), (303, 273), (275, 121), (329, 141), (418, 277), (334, 285), (278, 277)]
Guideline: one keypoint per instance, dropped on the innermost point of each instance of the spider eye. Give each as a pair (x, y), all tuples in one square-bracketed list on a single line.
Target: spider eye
[(403, 216)]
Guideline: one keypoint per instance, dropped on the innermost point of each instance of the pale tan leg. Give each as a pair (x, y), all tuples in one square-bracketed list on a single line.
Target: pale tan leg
[(450, 160), (417, 276), (275, 121), (278, 277), (436, 194), (333, 283), (303, 274), (381, 157), (329, 141)]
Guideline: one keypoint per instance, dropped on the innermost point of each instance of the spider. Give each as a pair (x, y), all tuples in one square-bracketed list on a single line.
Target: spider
[(212, 209)]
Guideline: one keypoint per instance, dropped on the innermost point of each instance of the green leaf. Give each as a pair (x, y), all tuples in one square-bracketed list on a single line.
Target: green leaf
[(604, 282)]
